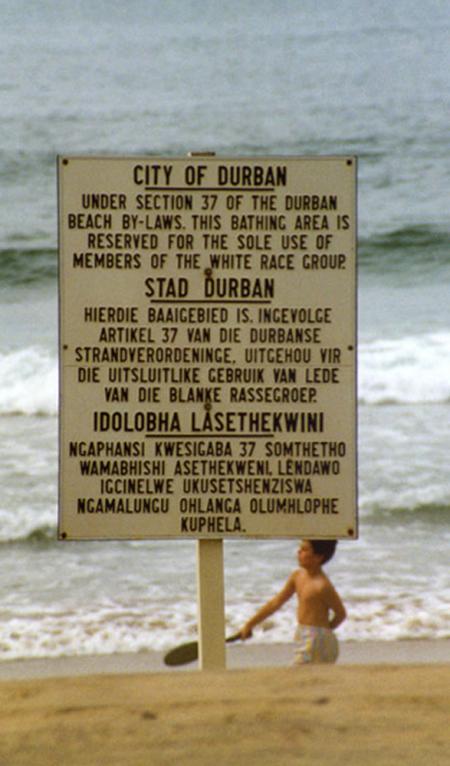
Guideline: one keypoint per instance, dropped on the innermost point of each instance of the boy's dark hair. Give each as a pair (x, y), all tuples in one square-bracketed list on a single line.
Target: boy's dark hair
[(324, 548)]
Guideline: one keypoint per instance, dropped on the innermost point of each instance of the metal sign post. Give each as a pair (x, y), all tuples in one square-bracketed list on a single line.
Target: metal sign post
[(211, 604)]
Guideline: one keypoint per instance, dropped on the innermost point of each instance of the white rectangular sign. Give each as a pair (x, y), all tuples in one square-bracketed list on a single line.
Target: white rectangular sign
[(207, 347)]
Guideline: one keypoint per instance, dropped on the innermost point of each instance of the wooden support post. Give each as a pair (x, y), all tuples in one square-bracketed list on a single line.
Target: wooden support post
[(211, 605)]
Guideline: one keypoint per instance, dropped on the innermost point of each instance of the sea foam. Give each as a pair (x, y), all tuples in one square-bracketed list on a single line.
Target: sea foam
[(407, 370), (28, 382)]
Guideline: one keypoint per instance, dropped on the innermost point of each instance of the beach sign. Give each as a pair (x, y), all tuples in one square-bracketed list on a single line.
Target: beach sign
[(207, 347)]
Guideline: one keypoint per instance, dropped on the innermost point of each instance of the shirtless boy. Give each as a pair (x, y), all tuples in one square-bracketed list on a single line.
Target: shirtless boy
[(319, 608)]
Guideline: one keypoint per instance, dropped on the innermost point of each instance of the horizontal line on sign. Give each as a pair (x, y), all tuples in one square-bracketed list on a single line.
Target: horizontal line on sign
[(166, 437), (210, 188), (168, 300)]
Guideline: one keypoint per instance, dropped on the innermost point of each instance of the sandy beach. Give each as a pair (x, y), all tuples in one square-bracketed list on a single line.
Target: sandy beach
[(126, 709)]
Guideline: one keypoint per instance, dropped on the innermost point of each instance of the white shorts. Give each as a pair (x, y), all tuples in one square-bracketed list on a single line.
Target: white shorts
[(315, 645)]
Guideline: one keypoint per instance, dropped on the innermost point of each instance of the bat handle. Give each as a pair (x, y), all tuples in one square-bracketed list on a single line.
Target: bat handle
[(234, 637)]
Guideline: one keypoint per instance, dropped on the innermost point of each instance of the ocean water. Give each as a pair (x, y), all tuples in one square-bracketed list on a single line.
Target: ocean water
[(239, 78)]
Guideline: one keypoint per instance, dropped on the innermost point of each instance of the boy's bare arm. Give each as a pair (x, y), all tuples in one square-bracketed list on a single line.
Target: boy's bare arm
[(334, 603), (270, 607)]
